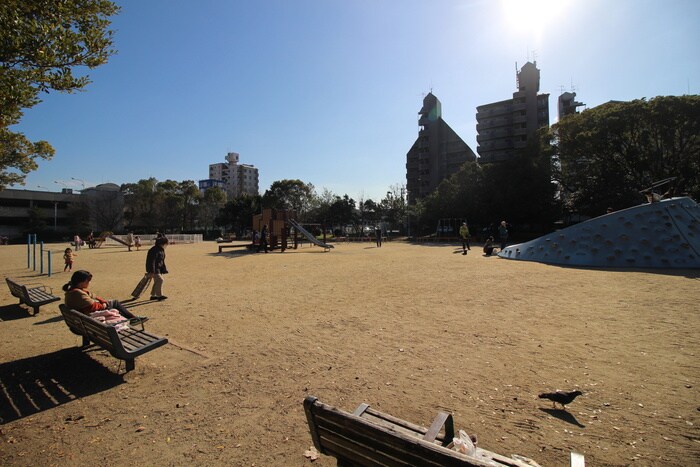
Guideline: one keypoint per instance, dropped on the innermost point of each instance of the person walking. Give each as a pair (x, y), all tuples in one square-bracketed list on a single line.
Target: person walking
[(503, 234), (155, 266), (68, 256), (378, 235), (464, 234), (130, 240)]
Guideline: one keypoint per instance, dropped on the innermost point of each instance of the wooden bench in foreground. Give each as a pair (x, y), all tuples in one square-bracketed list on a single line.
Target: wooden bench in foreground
[(126, 344), (371, 438), (32, 296)]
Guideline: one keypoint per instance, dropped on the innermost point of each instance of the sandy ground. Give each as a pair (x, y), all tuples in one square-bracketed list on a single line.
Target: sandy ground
[(408, 329)]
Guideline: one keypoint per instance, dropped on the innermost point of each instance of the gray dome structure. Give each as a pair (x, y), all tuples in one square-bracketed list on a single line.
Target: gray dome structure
[(664, 234)]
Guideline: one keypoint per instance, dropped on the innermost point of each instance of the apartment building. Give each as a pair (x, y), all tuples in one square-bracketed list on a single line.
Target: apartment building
[(234, 178), (437, 153), (506, 126), (567, 104)]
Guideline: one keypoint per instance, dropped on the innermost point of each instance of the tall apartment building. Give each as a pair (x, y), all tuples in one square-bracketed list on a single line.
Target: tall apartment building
[(567, 104), (506, 126), (437, 153), (236, 179)]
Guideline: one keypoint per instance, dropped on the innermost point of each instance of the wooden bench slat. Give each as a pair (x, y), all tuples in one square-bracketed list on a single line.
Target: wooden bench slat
[(392, 444), (368, 450)]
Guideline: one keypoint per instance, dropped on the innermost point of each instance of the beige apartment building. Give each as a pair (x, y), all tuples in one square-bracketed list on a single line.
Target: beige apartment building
[(506, 126), (234, 178)]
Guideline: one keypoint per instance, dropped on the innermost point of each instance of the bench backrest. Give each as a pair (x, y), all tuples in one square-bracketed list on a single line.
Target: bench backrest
[(354, 440), (101, 334), (15, 288)]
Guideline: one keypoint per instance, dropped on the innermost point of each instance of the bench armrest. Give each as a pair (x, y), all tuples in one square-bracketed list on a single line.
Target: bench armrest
[(441, 419)]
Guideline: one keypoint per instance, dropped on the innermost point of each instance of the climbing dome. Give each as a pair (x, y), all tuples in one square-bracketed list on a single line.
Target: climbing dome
[(664, 234)]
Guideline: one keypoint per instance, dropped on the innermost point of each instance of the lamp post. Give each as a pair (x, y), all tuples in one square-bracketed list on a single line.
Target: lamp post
[(79, 180)]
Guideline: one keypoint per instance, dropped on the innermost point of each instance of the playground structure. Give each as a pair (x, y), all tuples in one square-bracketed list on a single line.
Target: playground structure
[(284, 230), (660, 234)]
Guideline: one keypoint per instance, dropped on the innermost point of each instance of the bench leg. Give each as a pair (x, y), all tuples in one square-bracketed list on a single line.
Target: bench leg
[(130, 364), (86, 341), (36, 310)]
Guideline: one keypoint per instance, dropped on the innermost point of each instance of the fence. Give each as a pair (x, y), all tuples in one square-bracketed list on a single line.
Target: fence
[(149, 239)]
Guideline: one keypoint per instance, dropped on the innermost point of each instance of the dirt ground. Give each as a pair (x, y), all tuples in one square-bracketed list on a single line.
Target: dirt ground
[(408, 329)]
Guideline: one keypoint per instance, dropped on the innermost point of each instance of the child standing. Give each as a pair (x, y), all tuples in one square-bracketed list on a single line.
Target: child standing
[(68, 256)]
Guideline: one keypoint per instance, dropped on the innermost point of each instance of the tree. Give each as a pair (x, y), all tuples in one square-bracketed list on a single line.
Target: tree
[(237, 214), (342, 211), (609, 153), (214, 198), (41, 43), (191, 198), (289, 194), (141, 202)]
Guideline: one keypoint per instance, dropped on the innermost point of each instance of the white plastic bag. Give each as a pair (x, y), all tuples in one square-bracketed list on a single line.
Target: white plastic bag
[(464, 444)]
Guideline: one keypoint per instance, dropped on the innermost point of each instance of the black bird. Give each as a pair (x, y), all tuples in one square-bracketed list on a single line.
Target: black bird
[(562, 397)]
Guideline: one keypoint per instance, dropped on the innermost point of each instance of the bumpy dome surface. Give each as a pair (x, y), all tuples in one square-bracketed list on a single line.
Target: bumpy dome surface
[(664, 234)]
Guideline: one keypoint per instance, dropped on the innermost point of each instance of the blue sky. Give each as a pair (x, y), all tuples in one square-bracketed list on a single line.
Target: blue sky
[(328, 91)]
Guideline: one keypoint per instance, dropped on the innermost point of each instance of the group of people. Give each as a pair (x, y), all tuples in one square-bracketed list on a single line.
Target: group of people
[(79, 297), (488, 244), (134, 241)]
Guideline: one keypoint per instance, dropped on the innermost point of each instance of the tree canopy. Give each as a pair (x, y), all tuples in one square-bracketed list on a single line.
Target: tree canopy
[(289, 194), (42, 43), (609, 153)]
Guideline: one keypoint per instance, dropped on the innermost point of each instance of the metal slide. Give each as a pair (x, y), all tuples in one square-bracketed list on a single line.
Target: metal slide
[(308, 235)]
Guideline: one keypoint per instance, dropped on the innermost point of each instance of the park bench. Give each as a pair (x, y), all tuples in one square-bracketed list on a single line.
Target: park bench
[(32, 296), (368, 437), (249, 246), (125, 344)]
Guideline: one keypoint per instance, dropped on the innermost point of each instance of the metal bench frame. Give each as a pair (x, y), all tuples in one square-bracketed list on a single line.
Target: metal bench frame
[(32, 296)]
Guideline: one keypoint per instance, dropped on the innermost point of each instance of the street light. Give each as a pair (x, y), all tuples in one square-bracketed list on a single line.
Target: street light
[(79, 180)]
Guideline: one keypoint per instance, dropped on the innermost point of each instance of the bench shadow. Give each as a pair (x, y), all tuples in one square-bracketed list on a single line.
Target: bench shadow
[(43, 382), (564, 416), (132, 303), (53, 319), (14, 311)]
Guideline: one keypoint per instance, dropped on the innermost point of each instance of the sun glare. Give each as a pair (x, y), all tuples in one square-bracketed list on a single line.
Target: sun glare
[(532, 15)]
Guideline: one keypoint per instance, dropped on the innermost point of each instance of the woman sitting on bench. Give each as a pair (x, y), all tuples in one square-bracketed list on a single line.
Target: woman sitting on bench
[(79, 298)]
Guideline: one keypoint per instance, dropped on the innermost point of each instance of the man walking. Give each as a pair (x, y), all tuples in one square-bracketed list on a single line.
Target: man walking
[(464, 233), (155, 267)]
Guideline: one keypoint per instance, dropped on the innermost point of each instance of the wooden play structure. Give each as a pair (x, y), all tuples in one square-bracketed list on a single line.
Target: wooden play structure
[(284, 230)]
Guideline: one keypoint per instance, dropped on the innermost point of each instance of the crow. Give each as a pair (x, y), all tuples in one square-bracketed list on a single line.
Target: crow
[(562, 397)]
